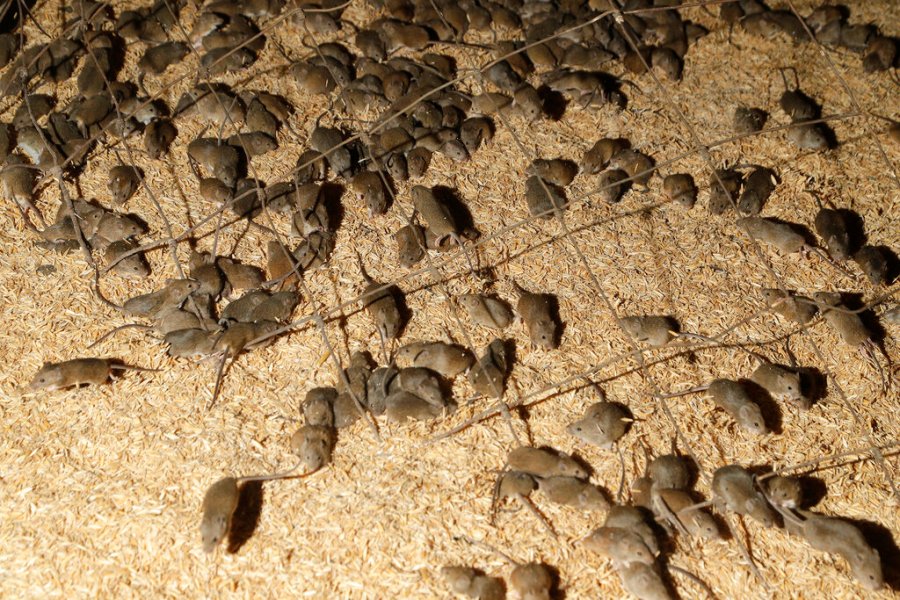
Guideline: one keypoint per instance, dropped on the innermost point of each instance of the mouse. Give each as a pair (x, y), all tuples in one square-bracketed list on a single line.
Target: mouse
[(679, 507), (620, 545), (557, 171), (832, 228), (381, 304), (410, 244), (643, 581), (638, 165), (369, 188), (281, 265), (76, 372), (402, 405), (518, 485), (313, 444), (544, 463), (837, 536), (734, 399), (173, 294), (571, 491), (848, 325), (158, 137), (747, 120), (448, 360), (123, 182), (602, 424), (488, 375), (654, 330), (782, 383), (190, 343), (734, 489), (421, 382), (758, 186), (216, 158), (439, 218), (531, 581), (17, 182), (597, 157), (792, 307), (872, 262), (317, 406), (486, 311), (325, 141), (133, 266), (472, 583), (475, 131), (633, 519), (157, 59), (780, 235), (669, 471), (784, 492), (240, 276), (220, 502), (680, 189), (543, 198), (536, 312)]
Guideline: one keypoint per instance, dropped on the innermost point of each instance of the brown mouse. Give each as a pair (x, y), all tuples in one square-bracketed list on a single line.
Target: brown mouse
[(748, 120), (680, 188), (598, 156), (313, 445), (402, 405), (556, 171), (369, 188), (832, 228), (531, 581), (724, 185), (782, 383), (679, 506), (602, 424), (218, 159), (622, 546), (758, 186), (486, 311), (535, 310), (836, 536), (654, 330), (173, 294), (123, 182), (488, 375), (410, 245), (77, 372), (571, 491), (543, 198), (643, 581), (784, 492), (544, 463), (732, 397), (669, 471), (468, 581), (795, 308), (133, 266), (381, 304), (734, 489), (872, 262), (158, 136), (449, 360)]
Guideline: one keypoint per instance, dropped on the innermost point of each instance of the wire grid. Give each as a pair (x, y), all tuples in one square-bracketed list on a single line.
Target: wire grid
[(444, 272)]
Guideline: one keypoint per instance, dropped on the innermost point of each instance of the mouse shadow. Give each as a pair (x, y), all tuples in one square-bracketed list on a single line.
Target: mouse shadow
[(856, 301), (813, 384), (331, 194), (554, 103), (893, 264), (771, 412), (403, 309), (856, 229), (246, 516), (449, 197)]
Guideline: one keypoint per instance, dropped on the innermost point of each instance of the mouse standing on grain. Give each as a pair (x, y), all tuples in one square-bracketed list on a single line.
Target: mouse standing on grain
[(76, 372), (734, 399), (221, 501), (536, 312)]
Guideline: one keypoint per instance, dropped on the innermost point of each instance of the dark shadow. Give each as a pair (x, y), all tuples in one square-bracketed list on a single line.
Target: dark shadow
[(554, 103), (458, 209), (331, 194), (402, 307), (813, 384), (855, 301), (856, 229), (553, 301), (246, 516), (555, 592), (767, 405), (893, 263), (814, 490)]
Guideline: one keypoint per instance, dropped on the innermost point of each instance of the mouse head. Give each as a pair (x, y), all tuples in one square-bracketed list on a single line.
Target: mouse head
[(750, 418), (48, 378), (866, 567), (213, 529)]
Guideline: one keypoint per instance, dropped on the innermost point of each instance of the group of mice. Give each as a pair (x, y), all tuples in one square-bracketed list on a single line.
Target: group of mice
[(421, 110)]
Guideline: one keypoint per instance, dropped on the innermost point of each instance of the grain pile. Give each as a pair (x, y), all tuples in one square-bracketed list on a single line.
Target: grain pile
[(102, 485)]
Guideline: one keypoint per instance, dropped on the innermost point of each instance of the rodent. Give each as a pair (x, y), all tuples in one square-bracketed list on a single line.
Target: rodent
[(78, 371)]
